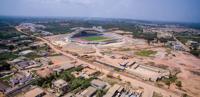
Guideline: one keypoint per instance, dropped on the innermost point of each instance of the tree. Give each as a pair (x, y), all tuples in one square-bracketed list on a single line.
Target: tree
[(185, 95), (100, 93), (118, 77), (149, 36), (163, 40), (195, 52), (11, 47), (179, 84), (168, 83)]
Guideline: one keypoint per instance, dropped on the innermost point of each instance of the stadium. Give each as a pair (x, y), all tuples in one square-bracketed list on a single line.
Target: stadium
[(92, 36)]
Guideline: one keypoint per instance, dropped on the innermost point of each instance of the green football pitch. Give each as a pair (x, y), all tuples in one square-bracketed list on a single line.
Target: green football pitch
[(95, 38)]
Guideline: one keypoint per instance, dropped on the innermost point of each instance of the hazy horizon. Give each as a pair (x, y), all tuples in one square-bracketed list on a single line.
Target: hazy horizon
[(152, 10)]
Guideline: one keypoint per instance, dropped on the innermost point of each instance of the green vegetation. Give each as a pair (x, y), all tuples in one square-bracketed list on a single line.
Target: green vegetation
[(4, 57), (195, 52), (95, 38), (6, 78), (179, 84), (155, 94), (79, 83), (145, 53), (7, 31), (4, 65), (32, 55), (185, 95), (75, 84), (100, 93), (7, 56), (172, 79), (185, 36), (184, 39), (56, 28), (7, 35)]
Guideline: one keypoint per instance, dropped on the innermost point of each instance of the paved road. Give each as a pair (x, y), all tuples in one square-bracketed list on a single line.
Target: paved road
[(148, 89), (184, 46)]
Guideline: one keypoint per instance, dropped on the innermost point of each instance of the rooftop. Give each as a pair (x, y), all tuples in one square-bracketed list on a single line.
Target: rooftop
[(98, 83), (34, 92), (112, 90), (3, 87), (25, 52), (89, 91), (60, 83)]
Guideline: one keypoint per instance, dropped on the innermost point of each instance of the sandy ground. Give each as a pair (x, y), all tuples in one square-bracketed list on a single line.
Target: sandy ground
[(60, 60), (186, 63), (77, 48), (173, 59)]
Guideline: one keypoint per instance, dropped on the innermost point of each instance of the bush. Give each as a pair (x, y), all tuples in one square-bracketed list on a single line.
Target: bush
[(79, 82), (179, 84), (145, 53), (100, 93), (195, 53)]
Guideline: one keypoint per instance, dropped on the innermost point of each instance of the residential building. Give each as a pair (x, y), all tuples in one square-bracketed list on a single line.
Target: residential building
[(60, 86), (63, 67), (113, 91), (120, 91), (37, 92), (89, 92), (26, 52), (3, 87), (27, 65), (98, 84), (20, 78)]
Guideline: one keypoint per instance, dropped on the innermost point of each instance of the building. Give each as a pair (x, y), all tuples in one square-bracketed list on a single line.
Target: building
[(17, 60), (175, 46), (27, 65), (26, 52), (89, 72), (98, 84), (37, 92), (63, 67), (20, 78), (69, 95), (147, 72), (192, 44), (119, 91), (60, 86), (89, 92), (113, 91), (3, 87)]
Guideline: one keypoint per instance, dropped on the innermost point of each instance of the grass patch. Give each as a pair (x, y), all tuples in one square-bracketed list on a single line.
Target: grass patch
[(6, 78), (95, 38), (155, 94), (145, 53)]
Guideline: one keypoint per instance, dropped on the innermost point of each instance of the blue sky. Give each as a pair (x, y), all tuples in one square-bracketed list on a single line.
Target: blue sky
[(161, 10)]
